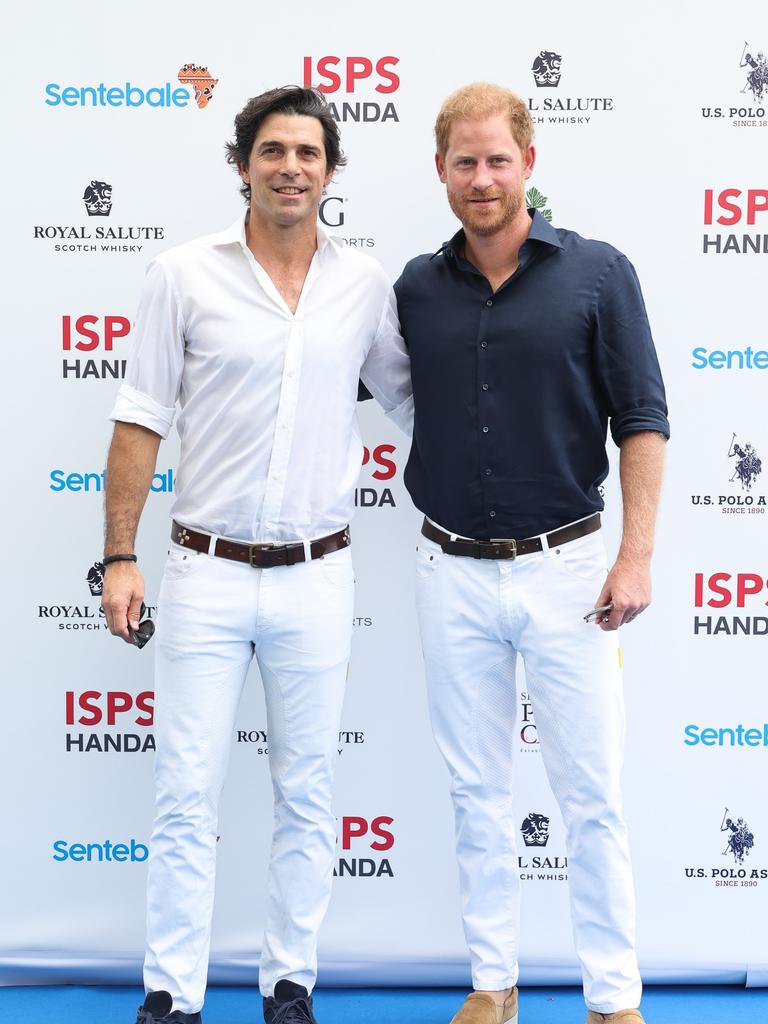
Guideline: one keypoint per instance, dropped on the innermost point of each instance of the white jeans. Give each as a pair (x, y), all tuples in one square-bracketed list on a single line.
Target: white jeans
[(475, 616), (214, 615)]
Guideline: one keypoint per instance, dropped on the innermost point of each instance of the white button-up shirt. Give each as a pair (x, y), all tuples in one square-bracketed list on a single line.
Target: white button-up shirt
[(270, 445)]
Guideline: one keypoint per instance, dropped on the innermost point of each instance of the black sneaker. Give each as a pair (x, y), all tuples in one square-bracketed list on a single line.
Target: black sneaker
[(156, 1009), (291, 1004)]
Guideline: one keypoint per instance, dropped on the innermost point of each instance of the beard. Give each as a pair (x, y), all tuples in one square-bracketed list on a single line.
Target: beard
[(486, 221)]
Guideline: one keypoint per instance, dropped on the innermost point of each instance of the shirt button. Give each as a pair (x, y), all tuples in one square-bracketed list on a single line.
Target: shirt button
[(485, 430), (488, 472), (491, 514), (485, 387), (489, 302), (483, 344)]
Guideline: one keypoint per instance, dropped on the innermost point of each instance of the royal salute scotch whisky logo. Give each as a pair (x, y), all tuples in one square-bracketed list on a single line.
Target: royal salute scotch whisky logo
[(735, 868), (546, 69), (740, 471), (535, 829), (89, 237), (201, 80), (258, 743), (98, 199), (551, 109), (540, 867), (747, 107)]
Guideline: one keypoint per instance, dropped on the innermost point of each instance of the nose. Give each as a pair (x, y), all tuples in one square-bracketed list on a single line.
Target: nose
[(290, 163), (482, 179)]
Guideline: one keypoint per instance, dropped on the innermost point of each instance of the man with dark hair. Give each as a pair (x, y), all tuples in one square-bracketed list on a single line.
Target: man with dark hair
[(525, 341), (261, 333)]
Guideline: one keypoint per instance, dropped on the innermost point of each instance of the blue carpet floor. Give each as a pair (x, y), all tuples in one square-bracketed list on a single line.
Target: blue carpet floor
[(117, 1005)]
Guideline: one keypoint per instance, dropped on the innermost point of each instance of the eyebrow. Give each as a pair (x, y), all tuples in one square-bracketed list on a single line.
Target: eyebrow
[(299, 145)]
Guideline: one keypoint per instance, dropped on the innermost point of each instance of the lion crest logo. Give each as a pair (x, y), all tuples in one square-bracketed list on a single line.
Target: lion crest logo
[(546, 69), (535, 829), (98, 199), (95, 579)]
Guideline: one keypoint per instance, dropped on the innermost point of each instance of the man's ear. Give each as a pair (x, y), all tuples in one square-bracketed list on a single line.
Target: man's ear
[(440, 165)]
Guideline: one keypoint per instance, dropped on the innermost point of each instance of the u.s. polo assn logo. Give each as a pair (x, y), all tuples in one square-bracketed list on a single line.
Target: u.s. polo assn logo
[(741, 474), (735, 867), (747, 106)]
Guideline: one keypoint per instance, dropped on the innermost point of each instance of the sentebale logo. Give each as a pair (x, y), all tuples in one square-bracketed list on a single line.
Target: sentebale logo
[(128, 94)]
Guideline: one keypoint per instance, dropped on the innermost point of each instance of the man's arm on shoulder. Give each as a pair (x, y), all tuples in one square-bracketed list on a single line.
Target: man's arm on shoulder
[(130, 465), (628, 585)]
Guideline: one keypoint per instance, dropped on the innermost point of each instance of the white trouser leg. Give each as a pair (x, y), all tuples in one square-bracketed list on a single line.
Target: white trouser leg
[(303, 651), (470, 671), (207, 610), (469, 610), (574, 677), (212, 613)]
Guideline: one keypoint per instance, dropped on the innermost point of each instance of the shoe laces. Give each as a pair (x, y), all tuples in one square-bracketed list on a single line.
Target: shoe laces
[(296, 1011)]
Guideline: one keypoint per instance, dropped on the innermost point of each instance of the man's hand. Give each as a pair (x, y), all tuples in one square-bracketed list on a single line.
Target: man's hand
[(121, 598), (628, 587)]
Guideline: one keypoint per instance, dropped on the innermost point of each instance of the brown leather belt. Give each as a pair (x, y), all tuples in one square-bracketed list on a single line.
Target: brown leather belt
[(259, 556), (506, 547)]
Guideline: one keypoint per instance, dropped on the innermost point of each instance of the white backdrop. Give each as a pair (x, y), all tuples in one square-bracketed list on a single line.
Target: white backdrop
[(638, 128)]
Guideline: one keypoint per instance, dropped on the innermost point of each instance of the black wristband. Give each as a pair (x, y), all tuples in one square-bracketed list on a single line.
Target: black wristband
[(109, 559)]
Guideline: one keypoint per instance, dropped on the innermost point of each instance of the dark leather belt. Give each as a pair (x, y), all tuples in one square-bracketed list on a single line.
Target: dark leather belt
[(259, 556), (506, 547)]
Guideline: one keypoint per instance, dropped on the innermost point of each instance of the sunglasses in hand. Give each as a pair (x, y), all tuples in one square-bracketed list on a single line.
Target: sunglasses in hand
[(141, 636)]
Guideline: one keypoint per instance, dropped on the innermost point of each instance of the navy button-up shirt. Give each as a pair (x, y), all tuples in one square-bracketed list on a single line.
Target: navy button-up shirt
[(513, 390)]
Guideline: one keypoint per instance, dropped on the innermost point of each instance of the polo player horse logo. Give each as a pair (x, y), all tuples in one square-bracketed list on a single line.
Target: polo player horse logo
[(740, 840), (748, 465), (757, 76)]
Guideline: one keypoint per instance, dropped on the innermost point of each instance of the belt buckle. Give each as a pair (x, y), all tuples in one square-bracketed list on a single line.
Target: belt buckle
[(509, 542), (258, 548)]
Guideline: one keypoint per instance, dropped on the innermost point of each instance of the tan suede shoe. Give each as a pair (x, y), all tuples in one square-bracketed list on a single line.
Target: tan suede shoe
[(619, 1017), (479, 1008)]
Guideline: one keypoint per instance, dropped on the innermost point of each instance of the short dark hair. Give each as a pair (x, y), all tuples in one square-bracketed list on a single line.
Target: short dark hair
[(288, 99)]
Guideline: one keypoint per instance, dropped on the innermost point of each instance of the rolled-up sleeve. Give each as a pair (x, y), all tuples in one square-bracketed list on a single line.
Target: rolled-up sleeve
[(387, 369), (153, 376), (625, 357)]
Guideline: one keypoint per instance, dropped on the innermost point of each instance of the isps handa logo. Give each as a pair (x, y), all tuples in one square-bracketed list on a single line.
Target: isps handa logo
[(729, 207), (99, 236), (747, 107), (196, 83), (90, 342), (109, 722), (374, 77), (736, 868), (551, 108), (379, 462), (371, 836), (717, 591), (741, 472)]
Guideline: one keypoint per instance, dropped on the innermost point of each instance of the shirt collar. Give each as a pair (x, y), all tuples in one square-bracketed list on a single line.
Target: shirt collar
[(540, 231), (236, 233)]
